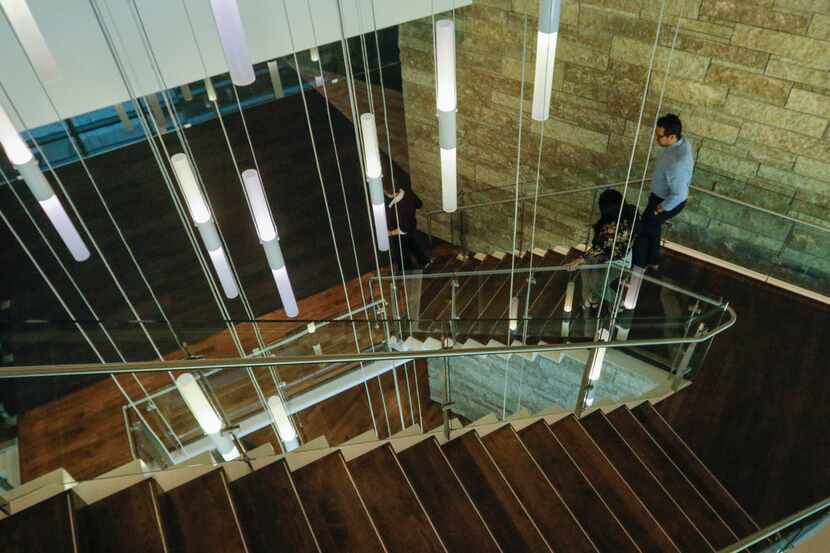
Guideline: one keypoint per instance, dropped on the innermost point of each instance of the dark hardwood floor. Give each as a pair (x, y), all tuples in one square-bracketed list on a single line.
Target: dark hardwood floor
[(757, 412)]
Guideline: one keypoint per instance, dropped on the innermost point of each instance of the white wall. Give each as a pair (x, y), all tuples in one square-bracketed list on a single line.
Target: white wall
[(89, 78)]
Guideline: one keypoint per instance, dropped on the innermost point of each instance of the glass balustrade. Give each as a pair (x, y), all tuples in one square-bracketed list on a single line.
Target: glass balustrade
[(773, 236)]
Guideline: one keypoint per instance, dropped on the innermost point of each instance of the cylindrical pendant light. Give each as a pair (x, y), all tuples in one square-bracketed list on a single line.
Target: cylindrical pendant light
[(259, 205), (314, 53), (15, 147), (21, 157), (374, 175), (267, 232), (284, 426), (198, 403), (211, 92), (225, 446), (597, 357), (200, 214), (28, 32), (549, 12), (446, 103), (234, 44), (273, 253), (514, 313), (569, 297)]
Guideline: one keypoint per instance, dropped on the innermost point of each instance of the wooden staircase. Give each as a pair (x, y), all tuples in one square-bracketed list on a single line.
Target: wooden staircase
[(616, 481)]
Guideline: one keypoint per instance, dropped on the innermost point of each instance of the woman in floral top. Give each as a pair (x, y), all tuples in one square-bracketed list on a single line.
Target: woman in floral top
[(604, 248)]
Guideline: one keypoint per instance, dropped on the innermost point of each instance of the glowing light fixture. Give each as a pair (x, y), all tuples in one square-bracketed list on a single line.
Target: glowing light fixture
[(284, 426), (634, 285), (226, 447), (28, 32), (569, 297), (549, 12), (446, 103), (374, 175), (21, 157), (200, 214), (13, 144), (234, 44), (597, 357), (267, 232), (514, 313), (314, 53), (211, 92), (198, 404)]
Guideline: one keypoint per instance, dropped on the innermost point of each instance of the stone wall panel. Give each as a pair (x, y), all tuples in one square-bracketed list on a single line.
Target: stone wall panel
[(749, 78)]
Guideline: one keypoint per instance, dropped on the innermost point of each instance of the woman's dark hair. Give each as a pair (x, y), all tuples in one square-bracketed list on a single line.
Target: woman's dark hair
[(609, 202)]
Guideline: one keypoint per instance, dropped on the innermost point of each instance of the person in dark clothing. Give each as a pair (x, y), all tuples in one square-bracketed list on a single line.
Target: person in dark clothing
[(605, 249), (401, 208)]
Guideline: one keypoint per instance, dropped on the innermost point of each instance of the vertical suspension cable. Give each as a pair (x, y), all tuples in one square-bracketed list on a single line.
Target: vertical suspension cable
[(397, 216), (331, 227), (74, 320), (163, 169), (629, 243), (630, 167), (394, 292), (86, 302), (97, 190), (513, 251), (182, 136), (257, 331)]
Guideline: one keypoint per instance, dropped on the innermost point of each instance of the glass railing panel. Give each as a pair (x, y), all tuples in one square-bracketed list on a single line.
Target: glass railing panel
[(495, 387)]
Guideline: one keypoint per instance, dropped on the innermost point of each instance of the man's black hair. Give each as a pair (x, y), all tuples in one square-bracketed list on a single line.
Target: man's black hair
[(671, 125)]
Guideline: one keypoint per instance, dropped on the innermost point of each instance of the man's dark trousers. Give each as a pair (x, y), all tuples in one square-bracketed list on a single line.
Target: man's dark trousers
[(647, 245)]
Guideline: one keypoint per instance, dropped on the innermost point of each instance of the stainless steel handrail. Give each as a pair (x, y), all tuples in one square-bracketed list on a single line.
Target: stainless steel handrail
[(319, 324), (243, 362), (777, 527), (549, 269)]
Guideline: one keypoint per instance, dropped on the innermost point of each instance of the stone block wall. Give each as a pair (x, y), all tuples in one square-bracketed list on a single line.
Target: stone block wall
[(750, 79), (477, 384)]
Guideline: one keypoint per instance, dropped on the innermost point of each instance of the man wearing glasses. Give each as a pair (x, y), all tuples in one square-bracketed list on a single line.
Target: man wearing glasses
[(669, 189)]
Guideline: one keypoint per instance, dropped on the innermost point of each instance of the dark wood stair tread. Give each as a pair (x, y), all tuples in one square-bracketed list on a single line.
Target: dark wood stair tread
[(432, 287), (42, 528), (502, 511), (667, 512), (694, 505), (440, 298), (392, 503), (618, 495), (333, 506), (596, 518), (270, 512), (540, 498), (199, 516), (458, 523), (710, 487), (101, 527)]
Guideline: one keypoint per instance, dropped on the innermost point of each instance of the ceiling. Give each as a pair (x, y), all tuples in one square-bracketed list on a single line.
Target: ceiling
[(89, 78)]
